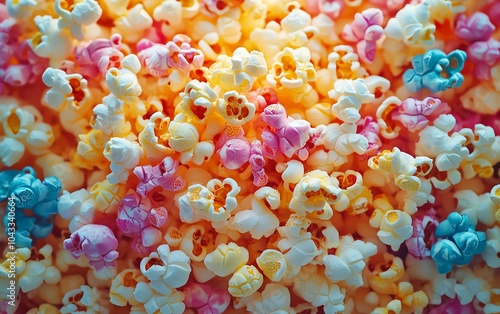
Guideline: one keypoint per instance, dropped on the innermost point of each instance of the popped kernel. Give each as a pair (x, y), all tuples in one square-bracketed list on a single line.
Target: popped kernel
[(245, 281), (75, 16), (315, 193), (226, 259)]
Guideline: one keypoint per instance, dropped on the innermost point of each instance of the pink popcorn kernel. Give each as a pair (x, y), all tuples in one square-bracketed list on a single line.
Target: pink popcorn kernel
[(162, 175), (365, 30), (422, 239), (99, 55), (96, 242), (205, 299)]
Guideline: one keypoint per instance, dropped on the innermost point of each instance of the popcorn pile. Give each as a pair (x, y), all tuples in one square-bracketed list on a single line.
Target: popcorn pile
[(263, 156)]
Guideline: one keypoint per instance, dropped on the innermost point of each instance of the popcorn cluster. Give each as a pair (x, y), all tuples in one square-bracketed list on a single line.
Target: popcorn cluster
[(212, 156)]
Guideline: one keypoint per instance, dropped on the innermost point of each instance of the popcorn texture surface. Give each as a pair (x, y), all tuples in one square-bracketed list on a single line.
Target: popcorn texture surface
[(250, 156)]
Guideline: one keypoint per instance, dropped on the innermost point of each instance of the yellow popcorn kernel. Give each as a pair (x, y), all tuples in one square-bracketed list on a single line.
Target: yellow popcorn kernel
[(273, 264), (107, 196), (245, 281), (226, 259), (235, 108)]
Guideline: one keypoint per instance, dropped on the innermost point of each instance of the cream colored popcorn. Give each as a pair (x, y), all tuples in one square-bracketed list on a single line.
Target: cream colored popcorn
[(124, 156), (259, 221), (350, 95), (226, 259), (315, 288), (109, 117), (39, 269), (342, 64), (197, 101), (273, 264), (213, 203), (154, 138), (65, 89), (292, 71), (22, 132), (184, 138), (166, 269), (411, 25), (235, 108), (478, 208), (296, 244), (123, 83), (394, 225), (164, 301), (84, 299), (485, 151), (78, 207), (50, 35), (245, 281), (21, 8), (435, 142), (76, 15), (298, 28), (134, 22), (274, 299), (405, 168), (239, 72), (315, 193), (196, 241), (343, 140), (351, 185), (123, 286), (89, 150)]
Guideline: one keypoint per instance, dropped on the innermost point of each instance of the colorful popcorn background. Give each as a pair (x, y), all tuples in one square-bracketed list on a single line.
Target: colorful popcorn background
[(262, 156)]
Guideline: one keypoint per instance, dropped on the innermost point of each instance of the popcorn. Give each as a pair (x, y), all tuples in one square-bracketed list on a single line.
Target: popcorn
[(99, 55), (124, 156), (214, 203), (166, 300), (314, 288), (65, 90), (133, 22), (476, 27), (51, 35), (184, 138), (161, 175), (197, 101), (273, 299), (123, 82), (423, 237), (405, 168), (259, 221), (386, 274), (197, 242), (226, 259), (292, 71), (39, 269), (411, 25), (21, 132), (107, 196), (123, 287), (365, 31), (235, 108), (205, 298), (273, 264), (96, 242), (166, 269), (315, 192), (485, 55), (78, 207), (427, 68), (460, 244), (412, 114), (83, 298), (154, 137), (395, 226), (245, 281), (349, 95), (75, 16), (298, 28), (238, 73)]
